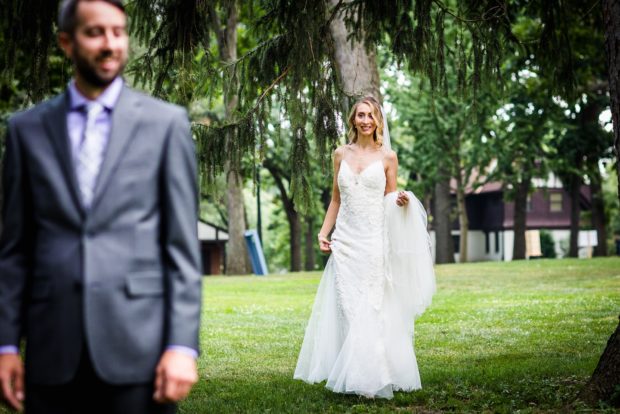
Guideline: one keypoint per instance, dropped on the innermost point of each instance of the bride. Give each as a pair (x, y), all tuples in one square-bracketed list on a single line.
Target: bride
[(379, 276)]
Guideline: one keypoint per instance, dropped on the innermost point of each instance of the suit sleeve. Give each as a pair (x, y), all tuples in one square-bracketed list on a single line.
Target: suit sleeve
[(15, 239), (180, 238)]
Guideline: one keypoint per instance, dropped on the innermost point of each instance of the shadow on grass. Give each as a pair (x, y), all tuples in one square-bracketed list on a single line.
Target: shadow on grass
[(503, 384)]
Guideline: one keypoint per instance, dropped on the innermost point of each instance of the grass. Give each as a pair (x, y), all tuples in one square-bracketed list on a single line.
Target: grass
[(499, 337)]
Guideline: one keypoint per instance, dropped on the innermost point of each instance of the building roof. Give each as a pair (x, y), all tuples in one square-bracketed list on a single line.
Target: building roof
[(479, 182)]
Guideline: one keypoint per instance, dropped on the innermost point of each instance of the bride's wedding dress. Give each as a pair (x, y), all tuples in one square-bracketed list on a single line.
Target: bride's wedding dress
[(377, 279)]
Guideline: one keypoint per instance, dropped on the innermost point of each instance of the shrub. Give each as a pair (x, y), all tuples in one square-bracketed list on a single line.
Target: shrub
[(547, 245)]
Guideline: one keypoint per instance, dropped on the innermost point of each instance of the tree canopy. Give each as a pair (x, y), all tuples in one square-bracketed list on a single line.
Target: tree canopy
[(290, 59)]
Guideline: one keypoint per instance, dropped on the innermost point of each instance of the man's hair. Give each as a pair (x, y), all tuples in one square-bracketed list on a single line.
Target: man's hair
[(67, 14)]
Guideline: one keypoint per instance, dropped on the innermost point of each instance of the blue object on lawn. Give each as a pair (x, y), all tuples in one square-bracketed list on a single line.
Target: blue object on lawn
[(255, 249)]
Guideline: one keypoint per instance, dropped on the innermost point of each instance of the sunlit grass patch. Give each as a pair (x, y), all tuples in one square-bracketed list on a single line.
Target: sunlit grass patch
[(499, 337)]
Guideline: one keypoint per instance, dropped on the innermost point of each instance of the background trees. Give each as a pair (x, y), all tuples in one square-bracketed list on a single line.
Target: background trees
[(239, 59)]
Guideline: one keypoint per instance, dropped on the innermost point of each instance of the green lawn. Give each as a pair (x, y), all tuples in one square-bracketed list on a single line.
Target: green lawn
[(499, 337)]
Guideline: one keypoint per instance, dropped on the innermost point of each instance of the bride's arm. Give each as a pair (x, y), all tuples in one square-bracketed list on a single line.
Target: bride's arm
[(391, 173), (334, 205)]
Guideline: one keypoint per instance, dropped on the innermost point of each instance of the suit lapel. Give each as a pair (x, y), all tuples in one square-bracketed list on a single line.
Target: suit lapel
[(55, 121), (125, 119)]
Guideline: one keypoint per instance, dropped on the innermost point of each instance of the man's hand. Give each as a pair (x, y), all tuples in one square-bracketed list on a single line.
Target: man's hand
[(12, 380), (174, 376)]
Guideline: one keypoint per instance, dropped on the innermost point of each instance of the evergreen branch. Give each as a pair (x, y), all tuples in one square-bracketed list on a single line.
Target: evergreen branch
[(596, 3), (270, 87), (461, 19), (335, 12), (255, 49), (256, 106), (278, 175)]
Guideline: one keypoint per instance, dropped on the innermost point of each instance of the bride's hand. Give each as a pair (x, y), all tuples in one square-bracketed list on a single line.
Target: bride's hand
[(402, 199), (324, 244)]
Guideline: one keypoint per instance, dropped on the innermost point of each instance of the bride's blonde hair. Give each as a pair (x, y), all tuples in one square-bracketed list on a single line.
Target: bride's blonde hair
[(375, 109)]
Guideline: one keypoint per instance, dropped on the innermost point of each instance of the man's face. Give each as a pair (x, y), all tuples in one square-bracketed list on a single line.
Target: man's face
[(99, 45)]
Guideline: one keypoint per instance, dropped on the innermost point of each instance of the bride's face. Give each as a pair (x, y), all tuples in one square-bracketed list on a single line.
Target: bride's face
[(364, 120)]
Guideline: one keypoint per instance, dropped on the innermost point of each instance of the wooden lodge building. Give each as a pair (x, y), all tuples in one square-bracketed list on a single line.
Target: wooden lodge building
[(491, 227)]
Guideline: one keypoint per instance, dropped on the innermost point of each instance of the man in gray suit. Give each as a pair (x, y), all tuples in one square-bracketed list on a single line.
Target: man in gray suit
[(99, 257)]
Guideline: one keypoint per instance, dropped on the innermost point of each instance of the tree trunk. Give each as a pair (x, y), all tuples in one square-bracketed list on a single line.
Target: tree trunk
[(574, 189), (603, 384), (463, 221), (357, 66), (599, 218), (611, 21), (294, 222), (237, 258), (444, 247), (520, 219), (310, 259)]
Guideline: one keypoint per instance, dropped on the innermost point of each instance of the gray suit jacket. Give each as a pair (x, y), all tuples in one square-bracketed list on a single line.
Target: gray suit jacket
[(122, 277)]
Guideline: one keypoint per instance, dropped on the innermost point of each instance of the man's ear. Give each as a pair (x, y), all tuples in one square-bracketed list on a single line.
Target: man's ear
[(66, 43)]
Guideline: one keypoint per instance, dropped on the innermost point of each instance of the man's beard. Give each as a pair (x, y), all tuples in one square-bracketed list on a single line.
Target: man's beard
[(89, 73)]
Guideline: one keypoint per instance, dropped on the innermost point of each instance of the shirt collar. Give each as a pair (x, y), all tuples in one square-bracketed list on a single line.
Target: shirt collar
[(108, 97)]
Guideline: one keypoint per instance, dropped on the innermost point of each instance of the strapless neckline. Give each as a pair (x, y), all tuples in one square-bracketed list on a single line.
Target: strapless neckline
[(363, 169)]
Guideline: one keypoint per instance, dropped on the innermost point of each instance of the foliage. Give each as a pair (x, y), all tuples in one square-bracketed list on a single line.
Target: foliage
[(32, 66), (499, 337), (547, 245), (457, 53), (564, 39), (612, 206), (582, 142), (291, 60), (282, 173), (521, 129), (438, 133), (414, 32), (280, 64), (178, 39), (276, 233)]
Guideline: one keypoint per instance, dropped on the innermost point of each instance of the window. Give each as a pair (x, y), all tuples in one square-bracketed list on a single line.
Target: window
[(528, 206), (555, 202), (457, 242)]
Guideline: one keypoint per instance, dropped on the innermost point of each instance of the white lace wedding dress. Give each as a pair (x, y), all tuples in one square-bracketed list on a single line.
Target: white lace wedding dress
[(377, 279)]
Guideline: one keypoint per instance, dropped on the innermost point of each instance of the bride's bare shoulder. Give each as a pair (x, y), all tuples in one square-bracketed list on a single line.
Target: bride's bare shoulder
[(389, 156), (341, 151), (338, 155)]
